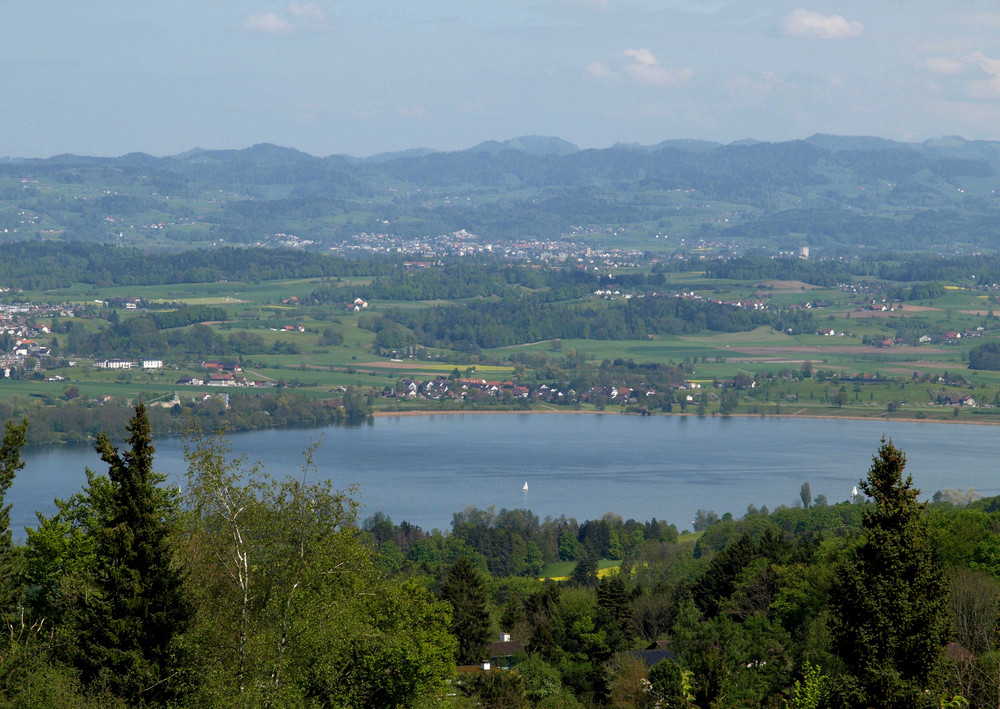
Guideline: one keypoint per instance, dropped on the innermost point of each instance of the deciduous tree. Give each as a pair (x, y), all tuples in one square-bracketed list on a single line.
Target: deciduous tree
[(293, 612)]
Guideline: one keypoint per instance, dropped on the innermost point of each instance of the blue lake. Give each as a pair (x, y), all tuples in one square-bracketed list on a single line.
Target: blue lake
[(422, 469)]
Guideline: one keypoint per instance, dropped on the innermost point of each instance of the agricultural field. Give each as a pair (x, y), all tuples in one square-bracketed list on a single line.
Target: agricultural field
[(723, 346)]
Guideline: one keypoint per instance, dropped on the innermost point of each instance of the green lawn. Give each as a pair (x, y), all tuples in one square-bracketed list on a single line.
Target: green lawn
[(560, 570)]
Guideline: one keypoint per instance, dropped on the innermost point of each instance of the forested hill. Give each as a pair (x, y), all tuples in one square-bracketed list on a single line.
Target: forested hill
[(825, 191)]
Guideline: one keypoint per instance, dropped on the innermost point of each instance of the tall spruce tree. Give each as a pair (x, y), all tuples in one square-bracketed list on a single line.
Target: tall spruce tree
[(14, 438), (464, 589), (890, 603), (141, 606)]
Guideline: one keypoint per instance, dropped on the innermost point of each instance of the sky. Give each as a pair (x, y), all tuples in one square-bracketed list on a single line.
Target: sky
[(359, 77)]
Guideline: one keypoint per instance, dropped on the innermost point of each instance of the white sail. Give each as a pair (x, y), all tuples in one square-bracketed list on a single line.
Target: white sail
[(525, 488)]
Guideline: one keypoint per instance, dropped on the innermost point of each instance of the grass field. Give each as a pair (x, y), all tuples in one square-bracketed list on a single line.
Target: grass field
[(311, 361), (561, 570)]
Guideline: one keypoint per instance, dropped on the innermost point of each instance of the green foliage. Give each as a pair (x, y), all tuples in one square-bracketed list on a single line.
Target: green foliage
[(294, 605), (541, 680), (464, 589), (497, 689), (131, 622), (889, 603), (14, 438), (808, 692), (585, 571), (985, 356), (515, 320), (50, 264), (292, 610), (975, 607), (671, 686), (80, 420)]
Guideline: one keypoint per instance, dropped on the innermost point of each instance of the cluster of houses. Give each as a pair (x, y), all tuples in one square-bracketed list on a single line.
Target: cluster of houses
[(16, 323), (18, 357), (957, 398), (744, 304), (222, 374), (128, 364), (217, 374), (462, 389), (458, 389), (941, 338), (356, 305)]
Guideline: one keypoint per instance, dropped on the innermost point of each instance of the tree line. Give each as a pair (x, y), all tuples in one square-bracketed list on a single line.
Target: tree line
[(245, 591), (878, 601), (78, 421), (41, 265), (511, 321)]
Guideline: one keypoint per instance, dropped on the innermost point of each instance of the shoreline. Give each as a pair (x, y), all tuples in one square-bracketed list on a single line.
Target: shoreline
[(880, 418)]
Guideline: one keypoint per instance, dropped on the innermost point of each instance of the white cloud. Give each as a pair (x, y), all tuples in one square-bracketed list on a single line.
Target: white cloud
[(365, 115), (310, 16), (268, 23), (646, 69), (988, 19), (990, 86), (813, 25), (599, 4), (978, 73), (944, 65), (413, 112), (598, 70), (642, 56), (300, 16), (468, 106)]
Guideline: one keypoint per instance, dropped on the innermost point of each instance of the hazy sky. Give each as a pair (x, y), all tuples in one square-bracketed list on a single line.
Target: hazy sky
[(108, 77)]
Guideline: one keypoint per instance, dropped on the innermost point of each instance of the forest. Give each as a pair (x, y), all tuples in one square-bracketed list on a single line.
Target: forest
[(516, 320), (245, 590)]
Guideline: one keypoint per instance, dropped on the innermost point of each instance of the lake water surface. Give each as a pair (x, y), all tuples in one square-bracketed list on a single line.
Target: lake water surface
[(422, 469)]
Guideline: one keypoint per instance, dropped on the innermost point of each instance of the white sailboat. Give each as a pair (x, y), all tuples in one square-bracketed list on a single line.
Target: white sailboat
[(525, 488)]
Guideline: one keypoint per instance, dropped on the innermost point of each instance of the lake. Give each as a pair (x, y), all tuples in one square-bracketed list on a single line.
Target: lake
[(422, 469)]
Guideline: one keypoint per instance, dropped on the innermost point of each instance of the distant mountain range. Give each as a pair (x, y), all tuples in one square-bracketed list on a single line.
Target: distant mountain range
[(538, 145), (827, 191)]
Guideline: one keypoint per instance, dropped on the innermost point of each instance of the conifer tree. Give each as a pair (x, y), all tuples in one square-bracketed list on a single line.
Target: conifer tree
[(15, 436), (613, 598), (140, 608), (585, 571), (890, 612), (470, 618)]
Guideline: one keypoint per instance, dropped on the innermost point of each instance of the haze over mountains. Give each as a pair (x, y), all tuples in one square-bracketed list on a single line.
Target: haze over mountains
[(539, 145), (833, 193)]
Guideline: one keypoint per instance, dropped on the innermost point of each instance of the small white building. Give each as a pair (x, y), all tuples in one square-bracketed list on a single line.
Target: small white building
[(113, 364), (152, 364)]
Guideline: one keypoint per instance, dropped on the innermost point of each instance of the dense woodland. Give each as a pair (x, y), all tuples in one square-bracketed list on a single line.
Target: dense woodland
[(79, 420), (57, 264), (250, 591), (511, 322)]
